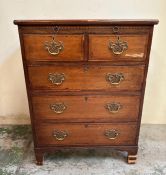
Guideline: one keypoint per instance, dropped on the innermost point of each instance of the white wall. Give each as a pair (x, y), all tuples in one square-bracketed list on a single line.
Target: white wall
[(13, 99)]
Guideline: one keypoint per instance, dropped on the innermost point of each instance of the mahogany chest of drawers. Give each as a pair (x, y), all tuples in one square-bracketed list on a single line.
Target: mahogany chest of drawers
[(85, 82)]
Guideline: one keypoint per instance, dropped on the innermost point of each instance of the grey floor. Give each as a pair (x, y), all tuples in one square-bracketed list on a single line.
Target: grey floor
[(17, 156)]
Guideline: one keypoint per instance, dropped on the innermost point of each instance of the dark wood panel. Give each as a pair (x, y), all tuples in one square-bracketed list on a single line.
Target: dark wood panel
[(87, 108), (84, 134), (68, 30), (99, 47), (86, 78)]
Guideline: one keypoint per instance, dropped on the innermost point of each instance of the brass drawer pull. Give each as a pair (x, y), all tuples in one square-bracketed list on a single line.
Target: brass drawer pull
[(54, 47), (114, 79), (118, 47), (58, 108), (60, 135), (56, 78), (111, 134), (113, 107)]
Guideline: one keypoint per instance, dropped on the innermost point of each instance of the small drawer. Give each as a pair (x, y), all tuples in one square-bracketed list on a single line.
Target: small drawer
[(108, 78), (96, 108), (118, 47), (42, 47), (85, 134)]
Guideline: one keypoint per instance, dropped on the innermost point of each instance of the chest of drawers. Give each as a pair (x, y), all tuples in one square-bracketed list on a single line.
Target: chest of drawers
[(85, 82)]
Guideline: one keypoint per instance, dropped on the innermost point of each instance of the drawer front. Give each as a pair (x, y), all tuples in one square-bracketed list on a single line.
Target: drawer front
[(40, 47), (114, 78), (97, 108), (110, 48), (85, 134)]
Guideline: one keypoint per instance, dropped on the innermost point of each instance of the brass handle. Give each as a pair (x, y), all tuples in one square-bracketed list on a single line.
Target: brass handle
[(54, 47), (113, 107), (56, 78), (114, 79), (118, 47), (58, 108), (111, 134), (60, 135)]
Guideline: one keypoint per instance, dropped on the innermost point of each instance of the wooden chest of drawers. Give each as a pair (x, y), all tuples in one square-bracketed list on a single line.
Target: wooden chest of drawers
[(85, 82)]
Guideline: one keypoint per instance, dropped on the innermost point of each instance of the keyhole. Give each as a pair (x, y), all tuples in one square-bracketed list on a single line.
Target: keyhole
[(86, 67)]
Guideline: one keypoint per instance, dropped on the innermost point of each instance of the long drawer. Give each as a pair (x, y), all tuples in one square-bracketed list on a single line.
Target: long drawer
[(107, 78), (85, 134), (96, 108)]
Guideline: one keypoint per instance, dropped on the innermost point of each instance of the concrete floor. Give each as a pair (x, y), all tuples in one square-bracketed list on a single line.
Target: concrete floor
[(17, 156)]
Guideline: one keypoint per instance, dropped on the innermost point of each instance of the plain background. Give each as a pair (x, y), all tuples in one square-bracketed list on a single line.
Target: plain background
[(13, 99)]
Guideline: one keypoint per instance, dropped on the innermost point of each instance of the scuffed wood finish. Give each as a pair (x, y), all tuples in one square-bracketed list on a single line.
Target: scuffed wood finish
[(86, 134), (39, 157), (86, 108), (85, 61), (35, 47), (131, 159), (99, 47), (86, 77)]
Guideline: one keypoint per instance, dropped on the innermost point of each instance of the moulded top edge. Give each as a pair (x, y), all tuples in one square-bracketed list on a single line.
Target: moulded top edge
[(88, 22)]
